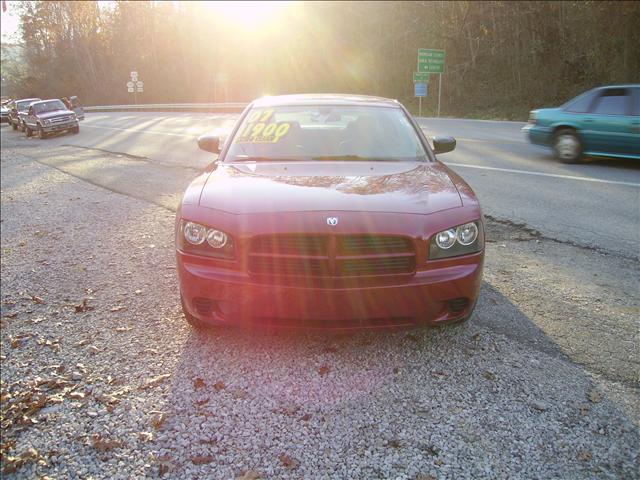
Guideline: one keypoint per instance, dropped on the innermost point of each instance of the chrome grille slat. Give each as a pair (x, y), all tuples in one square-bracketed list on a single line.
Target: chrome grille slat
[(314, 255)]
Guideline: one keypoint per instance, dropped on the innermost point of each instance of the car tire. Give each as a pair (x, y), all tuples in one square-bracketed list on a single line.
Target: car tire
[(195, 322), (41, 134), (27, 131), (567, 146), (76, 129)]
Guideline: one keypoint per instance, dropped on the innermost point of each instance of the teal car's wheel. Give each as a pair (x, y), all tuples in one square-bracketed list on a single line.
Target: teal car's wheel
[(567, 146)]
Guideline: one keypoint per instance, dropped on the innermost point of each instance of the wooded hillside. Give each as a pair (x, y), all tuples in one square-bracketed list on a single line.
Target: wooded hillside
[(502, 57)]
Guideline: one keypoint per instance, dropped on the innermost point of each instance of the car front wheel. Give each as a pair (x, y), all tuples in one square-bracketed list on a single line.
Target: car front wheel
[(76, 129), (567, 146)]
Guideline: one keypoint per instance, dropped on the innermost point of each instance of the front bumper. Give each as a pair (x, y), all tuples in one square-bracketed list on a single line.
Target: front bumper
[(224, 297), (56, 127), (538, 135)]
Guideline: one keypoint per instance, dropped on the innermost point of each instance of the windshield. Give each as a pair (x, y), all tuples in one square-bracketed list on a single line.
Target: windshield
[(24, 106), (326, 132), (50, 106)]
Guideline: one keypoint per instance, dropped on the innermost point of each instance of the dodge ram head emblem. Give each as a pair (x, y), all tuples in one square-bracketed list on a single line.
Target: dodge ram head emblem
[(333, 221)]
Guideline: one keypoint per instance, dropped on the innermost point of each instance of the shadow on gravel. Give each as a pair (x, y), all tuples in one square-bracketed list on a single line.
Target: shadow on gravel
[(401, 404)]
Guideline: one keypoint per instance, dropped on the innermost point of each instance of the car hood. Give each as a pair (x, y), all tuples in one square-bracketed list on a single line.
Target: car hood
[(55, 113), (399, 187)]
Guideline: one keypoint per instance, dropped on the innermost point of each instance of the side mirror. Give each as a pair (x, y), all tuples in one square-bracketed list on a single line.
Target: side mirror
[(209, 143), (443, 144)]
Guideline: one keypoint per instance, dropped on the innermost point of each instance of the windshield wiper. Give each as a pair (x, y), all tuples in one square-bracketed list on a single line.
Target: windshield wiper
[(266, 159), (350, 158)]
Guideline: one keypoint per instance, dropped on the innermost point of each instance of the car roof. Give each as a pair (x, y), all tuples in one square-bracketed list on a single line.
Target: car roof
[(625, 85), (325, 99), (27, 100), (49, 100)]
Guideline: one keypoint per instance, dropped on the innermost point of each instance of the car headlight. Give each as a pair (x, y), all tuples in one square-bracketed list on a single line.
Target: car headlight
[(200, 240), (461, 240), (533, 118), (46, 122)]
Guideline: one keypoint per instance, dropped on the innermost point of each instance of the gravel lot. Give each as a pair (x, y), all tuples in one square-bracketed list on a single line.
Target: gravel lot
[(102, 378)]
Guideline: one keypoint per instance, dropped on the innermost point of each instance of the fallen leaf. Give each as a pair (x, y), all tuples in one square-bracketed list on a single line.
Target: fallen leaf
[(584, 455), (83, 306), (37, 299), (489, 375), (81, 343), (155, 381), (595, 396), (123, 329), (288, 410), (145, 436), (158, 420), (93, 349), (324, 370), (198, 383), (288, 462), (77, 395), (393, 443), (249, 475), (202, 402), (117, 308), (104, 445), (201, 459), (219, 386), (306, 417)]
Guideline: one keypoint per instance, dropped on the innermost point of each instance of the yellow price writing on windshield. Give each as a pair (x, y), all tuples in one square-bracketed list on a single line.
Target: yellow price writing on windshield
[(263, 132)]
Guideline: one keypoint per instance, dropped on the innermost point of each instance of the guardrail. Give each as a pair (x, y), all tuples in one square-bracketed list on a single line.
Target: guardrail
[(169, 107)]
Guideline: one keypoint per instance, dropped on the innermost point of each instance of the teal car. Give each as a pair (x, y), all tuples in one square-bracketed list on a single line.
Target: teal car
[(603, 122)]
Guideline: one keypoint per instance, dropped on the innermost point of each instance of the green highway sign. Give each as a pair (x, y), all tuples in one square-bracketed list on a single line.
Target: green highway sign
[(420, 77), (431, 60)]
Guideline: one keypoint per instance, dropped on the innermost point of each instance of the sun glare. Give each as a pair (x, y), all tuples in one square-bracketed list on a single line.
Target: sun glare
[(250, 14)]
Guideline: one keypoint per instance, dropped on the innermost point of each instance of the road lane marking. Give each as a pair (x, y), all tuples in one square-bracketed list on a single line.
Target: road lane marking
[(541, 174), (152, 132)]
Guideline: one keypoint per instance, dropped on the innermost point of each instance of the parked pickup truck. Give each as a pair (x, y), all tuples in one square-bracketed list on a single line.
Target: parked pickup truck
[(49, 116), (17, 111)]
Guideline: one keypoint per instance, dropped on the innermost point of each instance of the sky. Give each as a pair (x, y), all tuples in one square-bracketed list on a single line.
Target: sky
[(10, 21)]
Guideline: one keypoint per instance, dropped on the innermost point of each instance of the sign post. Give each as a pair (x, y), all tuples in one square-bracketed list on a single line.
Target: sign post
[(432, 61), (420, 90), (135, 86)]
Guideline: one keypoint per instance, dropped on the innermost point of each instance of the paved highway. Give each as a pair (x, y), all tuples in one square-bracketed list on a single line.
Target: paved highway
[(596, 204)]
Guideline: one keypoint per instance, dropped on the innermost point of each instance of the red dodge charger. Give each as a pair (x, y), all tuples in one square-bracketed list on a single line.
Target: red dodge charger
[(328, 211)]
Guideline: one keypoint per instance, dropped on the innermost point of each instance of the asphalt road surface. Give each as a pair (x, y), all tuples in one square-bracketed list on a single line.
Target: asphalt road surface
[(595, 204)]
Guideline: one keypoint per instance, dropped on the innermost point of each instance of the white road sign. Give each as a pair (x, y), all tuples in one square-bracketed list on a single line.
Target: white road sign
[(134, 73), (129, 84), (130, 90), (140, 84), (140, 89)]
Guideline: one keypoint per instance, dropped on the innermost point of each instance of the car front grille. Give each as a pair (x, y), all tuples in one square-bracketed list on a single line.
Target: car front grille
[(53, 120), (331, 255)]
